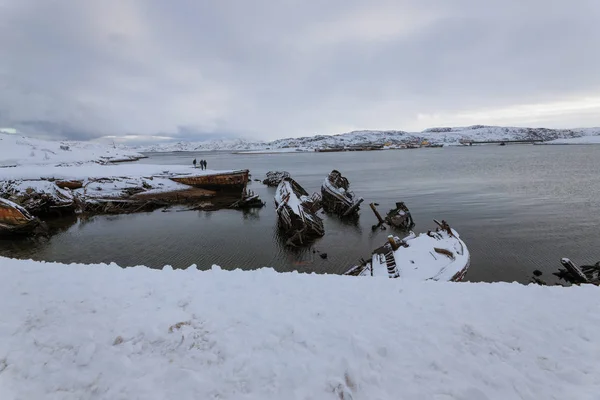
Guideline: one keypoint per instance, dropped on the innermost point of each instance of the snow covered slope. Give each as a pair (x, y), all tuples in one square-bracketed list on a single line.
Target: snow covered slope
[(578, 140), (237, 144), (102, 332), (433, 135), (19, 150)]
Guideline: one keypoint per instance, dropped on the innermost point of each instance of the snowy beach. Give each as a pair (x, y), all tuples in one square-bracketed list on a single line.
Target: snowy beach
[(45, 176), (17, 150), (102, 332)]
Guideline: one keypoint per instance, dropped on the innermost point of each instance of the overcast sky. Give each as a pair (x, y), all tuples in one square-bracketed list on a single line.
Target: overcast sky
[(200, 69)]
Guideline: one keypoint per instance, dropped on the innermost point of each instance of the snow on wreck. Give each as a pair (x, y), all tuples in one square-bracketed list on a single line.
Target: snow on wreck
[(93, 188), (14, 219), (438, 255), (296, 211), (274, 178), (337, 198)]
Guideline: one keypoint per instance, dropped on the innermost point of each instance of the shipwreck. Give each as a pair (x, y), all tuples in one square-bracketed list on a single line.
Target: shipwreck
[(15, 220), (337, 198), (230, 181), (572, 273), (110, 190), (274, 178), (399, 217), (297, 212), (438, 255)]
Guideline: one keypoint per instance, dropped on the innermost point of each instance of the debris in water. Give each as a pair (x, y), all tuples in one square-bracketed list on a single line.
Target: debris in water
[(297, 212), (274, 178)]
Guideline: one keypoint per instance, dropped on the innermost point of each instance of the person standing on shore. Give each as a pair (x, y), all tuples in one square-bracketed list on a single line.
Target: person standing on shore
[(205, 167), (202, 164), (194, 162)]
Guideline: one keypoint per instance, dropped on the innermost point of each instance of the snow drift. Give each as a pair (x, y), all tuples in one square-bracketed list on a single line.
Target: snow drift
[(102, 332), (18, 150)]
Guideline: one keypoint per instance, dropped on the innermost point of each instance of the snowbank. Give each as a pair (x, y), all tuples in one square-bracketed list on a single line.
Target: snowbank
[(579, 140), (92, 170), (18, 150), (102, 332)]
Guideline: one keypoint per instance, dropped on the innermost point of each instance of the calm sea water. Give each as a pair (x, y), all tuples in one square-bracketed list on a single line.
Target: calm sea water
[(518, 208)]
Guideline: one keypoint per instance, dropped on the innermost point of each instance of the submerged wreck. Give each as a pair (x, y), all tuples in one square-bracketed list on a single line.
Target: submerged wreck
[(40, 198), (274, 178), (438, 255), (297, 212), (575, 275), (337, 198), (398, 217), (230, 181), (15, 220)]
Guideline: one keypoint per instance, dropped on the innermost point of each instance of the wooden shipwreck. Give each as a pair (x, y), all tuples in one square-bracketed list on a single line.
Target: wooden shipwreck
[(337, 198), (14, 219), (578, 275), (438, 255), (399, 217), (274, 178), (571, 273), (230, 181), (297, 212)]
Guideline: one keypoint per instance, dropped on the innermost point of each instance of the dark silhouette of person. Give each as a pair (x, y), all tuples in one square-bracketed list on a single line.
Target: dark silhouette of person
[(194, 162), (205, 166)]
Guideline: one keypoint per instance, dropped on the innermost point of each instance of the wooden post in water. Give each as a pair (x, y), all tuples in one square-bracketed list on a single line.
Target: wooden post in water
[(381, 221)]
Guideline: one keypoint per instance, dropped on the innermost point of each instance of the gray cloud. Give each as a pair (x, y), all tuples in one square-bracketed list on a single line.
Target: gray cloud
[(201, 70)]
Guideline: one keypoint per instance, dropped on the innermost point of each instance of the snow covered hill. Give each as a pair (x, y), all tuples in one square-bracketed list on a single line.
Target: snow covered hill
[(103, 332), (18, 150), (236, 144), (433, 135)]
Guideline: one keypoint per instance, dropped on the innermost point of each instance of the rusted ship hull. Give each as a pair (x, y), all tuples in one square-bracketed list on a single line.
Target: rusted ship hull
[(337, 198), (230, 181), (15, 219), (297, 212)]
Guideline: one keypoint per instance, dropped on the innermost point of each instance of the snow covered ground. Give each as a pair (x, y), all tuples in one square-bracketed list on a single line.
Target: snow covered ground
[(102, 332), (99, 181), (276, 151), (16, 150), (391, 138), (92, 170), (579, 140)]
